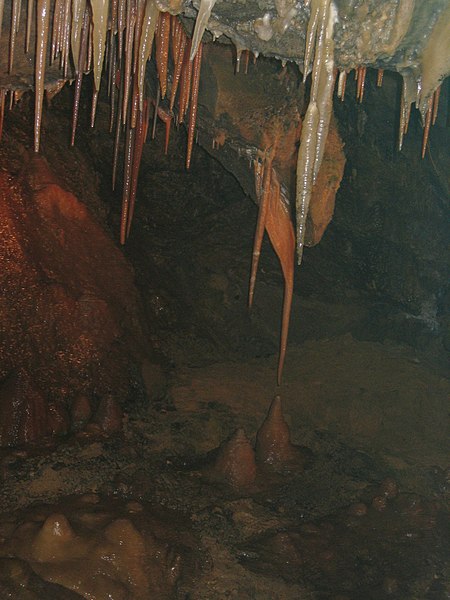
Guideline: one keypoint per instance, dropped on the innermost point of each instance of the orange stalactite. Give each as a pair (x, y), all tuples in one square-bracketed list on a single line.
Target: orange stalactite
[(262, 183), (197, 65), (178, 62), (162, 50), (426, 130), (185, 84)]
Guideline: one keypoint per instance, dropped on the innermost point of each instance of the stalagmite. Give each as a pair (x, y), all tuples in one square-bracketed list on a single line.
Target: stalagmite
[(43, 21), (194, 101), (204, 12), (315, 126)]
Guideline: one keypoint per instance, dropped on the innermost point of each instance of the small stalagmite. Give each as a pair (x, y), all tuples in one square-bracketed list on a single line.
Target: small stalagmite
[(52, 537), (235, 462), (109, 414), (273, 440)]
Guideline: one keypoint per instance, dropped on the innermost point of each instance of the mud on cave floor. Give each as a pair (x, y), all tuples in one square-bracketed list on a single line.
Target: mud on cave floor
[(369, 412)]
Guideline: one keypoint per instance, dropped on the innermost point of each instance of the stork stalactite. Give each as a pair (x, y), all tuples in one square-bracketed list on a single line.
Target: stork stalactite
[(117, 36)]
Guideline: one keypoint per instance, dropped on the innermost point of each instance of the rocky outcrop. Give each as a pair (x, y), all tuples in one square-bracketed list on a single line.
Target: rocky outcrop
[(69, 312)]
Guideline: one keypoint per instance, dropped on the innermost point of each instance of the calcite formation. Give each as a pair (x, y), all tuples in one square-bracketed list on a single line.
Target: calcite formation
[(96, 548), (67, 306)]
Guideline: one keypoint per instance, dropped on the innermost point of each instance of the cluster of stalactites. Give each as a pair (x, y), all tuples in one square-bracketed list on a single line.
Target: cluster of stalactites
[(116, 37)]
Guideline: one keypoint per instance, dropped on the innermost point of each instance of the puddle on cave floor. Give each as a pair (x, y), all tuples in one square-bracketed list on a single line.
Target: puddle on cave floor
[(365, 516)]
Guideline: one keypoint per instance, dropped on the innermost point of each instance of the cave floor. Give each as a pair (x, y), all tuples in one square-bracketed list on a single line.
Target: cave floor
[(317, 533)]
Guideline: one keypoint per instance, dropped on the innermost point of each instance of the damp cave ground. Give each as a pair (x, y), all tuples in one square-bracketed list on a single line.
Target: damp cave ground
[(366, 404)]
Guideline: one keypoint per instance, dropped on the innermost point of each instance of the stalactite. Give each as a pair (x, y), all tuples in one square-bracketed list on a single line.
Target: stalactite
[(2, 8), (380, 77), (201, 22), (139, 139), (281, 233), (185, 85), (129, 35), (128, 162), (30, 5), (197, 64), (426, 130), (2, 110), (436, 97), (100, 10), (42, 28), (117, 136), (178, 61), (150, 21), (15, 13), (318, 114), (361, 81), (55, 29), (263, 173), (82, 52), (274, 217), (162, 50), (342, 82)]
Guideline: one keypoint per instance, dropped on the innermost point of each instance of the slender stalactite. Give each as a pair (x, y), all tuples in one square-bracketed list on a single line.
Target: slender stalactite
[(30, 6), (342, 82), (42, 29), (194, 102), (129, 39), (201, 22), (178, 61), (82, 49), (426, 130), (436, 97), (263, 173), (2, 111), (281, 233), (15, 13), (162, 50), (100, 11), (150, 21), (185, 85), (128, 164)]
